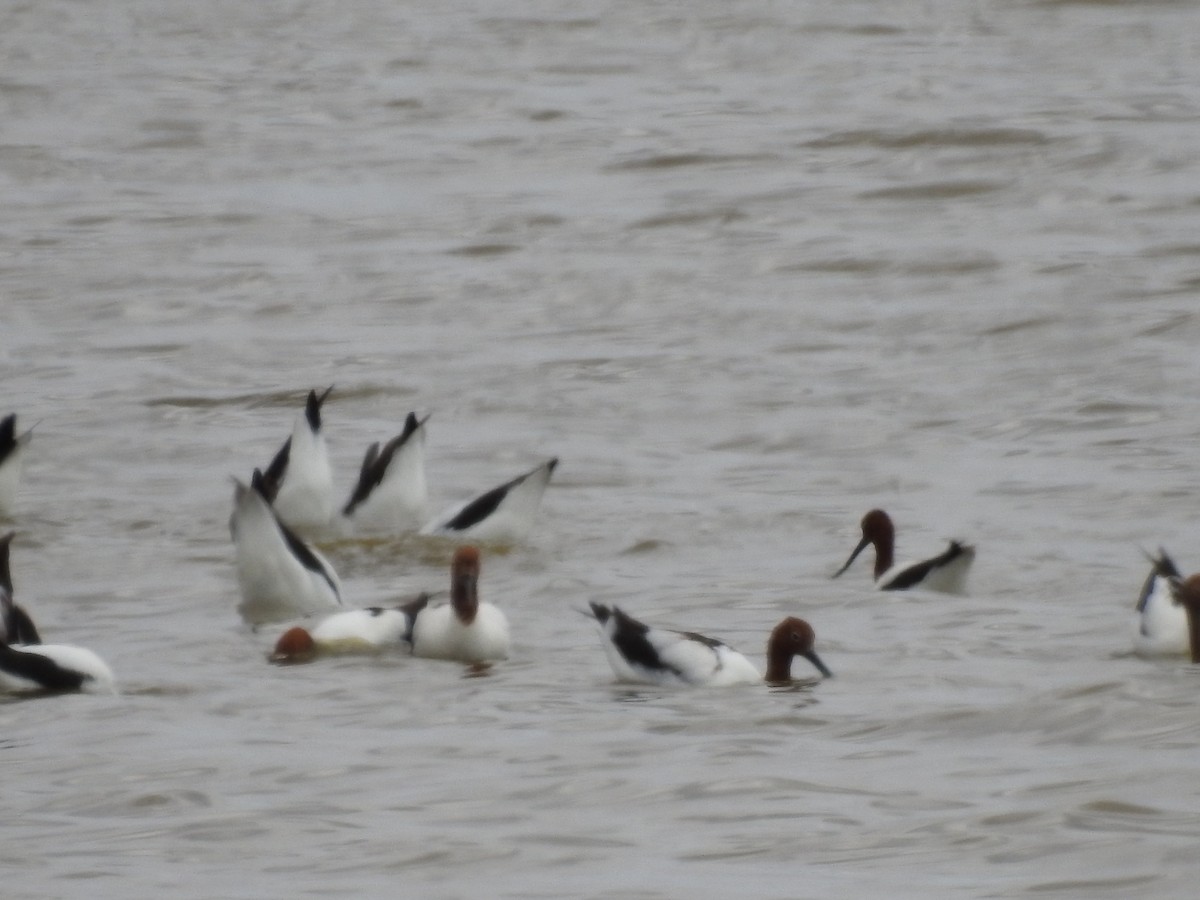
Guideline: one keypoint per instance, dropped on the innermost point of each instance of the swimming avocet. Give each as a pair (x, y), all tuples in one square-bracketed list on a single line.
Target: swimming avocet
[(464, 629), (640, 653), (353, 631), (946, 572)]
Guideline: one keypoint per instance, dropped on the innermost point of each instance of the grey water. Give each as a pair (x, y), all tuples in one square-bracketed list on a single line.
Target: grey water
[(749, 270)]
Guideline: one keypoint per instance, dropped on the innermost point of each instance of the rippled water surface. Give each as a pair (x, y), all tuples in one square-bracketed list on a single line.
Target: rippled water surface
[(749, 269)]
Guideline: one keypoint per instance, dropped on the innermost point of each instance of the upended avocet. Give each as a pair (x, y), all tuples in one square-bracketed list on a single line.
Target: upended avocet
[(279, 575), (26, 664), (391, 496), (1161, 623), (640, 653), (946, 572), (298, 483), (505, 513), (463, 630)]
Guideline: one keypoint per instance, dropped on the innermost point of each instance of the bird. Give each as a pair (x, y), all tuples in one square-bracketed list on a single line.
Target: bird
[(53, 667), (26, 664), (1160, 624), (641, 653), (16, 626), (503, 514), (946, 572), (352, 631), (12, 448), (279, 575), (391, 495), (299, 480), (464, 629)]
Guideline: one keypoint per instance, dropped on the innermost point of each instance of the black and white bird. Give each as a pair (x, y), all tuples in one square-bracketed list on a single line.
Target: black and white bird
[(466, 629), (391, 496), (299, 481), (26, 664), (279, 575), (946, 572), (1161, 625), (505, 513), (640, 653), (369, 630)]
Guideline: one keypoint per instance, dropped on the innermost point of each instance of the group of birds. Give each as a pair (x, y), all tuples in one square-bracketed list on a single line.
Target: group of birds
[(282, 575)]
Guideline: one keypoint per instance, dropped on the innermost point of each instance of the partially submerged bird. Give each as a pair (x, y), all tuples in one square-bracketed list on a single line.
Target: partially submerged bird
[(53, 667), (391, 495), (464, 629), (504, 513), (640, 653), (298, 483), (1161, 626), (946, 572), (26, 664), (280, 576), (368, 630), (12, 448)]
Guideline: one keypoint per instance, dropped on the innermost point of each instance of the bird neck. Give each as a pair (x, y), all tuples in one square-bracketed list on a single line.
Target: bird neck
[(464, 597)]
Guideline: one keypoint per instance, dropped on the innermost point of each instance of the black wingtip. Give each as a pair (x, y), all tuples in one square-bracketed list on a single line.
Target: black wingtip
[(312, 408), (600, 612), (259, 484)]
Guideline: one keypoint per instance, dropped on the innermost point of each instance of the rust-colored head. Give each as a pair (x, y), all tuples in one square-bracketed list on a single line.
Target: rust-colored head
[(295, 645), (877, 526), (465, 558), (791, 638), (877, 529)]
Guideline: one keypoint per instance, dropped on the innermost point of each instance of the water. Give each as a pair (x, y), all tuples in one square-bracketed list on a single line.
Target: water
[(750, 270)]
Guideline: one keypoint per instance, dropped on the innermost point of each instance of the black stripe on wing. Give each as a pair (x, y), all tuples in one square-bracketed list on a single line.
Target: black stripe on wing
[(486, 504), (629, 637), (312, 408), (917, 572), (375, 463), (298, 548), (40, 669), (481, 507), (307, 558), (273, 477)]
